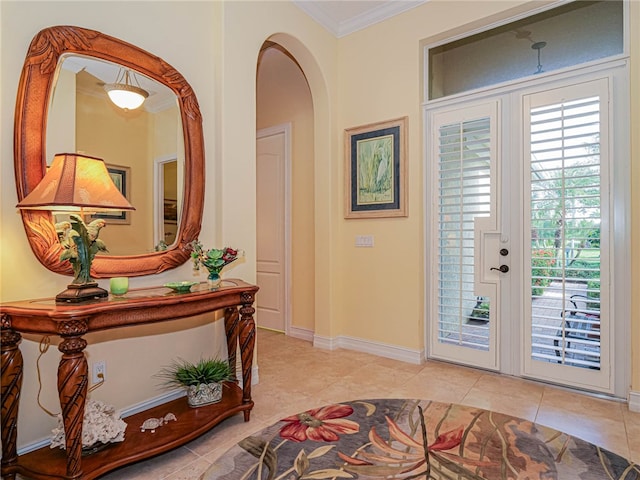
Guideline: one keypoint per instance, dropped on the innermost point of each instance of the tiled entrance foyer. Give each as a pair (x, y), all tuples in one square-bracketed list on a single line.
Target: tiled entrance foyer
[(295, 377)]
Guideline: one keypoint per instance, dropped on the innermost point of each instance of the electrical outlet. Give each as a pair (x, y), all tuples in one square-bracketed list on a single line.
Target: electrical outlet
[(99, 372)]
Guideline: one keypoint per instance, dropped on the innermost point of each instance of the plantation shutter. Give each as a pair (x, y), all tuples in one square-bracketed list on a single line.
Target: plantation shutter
[(566, 192), (464, 193)]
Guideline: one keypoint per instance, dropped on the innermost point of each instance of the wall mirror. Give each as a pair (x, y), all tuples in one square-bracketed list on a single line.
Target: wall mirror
[(154, 152)]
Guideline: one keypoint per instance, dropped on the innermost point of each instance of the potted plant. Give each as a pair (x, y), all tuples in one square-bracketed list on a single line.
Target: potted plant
[(202, 380), (480, 311)]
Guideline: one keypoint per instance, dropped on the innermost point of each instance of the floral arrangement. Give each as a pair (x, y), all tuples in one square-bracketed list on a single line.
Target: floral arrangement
[(213, 259), (101, 425)]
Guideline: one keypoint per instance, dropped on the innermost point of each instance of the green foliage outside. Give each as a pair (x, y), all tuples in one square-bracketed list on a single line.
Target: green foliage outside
[(565, 220), (542, 263), (480, 311)]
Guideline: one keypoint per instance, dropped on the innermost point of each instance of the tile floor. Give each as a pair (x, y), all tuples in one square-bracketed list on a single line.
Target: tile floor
[(295, 377)]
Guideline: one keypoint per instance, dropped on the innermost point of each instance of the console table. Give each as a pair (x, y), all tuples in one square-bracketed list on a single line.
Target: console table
[(71, 322)]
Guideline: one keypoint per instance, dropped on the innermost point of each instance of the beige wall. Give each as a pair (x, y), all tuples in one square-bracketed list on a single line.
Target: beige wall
[(283, 97), (62, 132), (369, 76)]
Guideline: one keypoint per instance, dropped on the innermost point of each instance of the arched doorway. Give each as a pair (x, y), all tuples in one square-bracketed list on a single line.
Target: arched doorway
[(285, 194)]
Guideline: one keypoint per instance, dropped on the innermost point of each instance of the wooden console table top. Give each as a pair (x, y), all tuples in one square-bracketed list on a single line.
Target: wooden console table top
[(137, 307), (71, 322)]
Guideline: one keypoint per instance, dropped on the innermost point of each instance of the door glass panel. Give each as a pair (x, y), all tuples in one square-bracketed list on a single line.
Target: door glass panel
[(565, 219), (464, 194)]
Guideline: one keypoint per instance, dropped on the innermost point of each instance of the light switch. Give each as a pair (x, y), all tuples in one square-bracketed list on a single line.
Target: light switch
[(364, 240)]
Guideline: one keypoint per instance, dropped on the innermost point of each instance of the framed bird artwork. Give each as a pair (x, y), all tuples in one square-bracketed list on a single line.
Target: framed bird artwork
[(376, 170)]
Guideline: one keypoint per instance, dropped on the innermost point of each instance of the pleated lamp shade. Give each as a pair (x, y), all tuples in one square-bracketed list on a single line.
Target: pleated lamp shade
[(75, 183)]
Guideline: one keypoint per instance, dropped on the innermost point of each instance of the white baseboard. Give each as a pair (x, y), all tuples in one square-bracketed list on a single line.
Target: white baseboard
[(30, 447), (374, 348), (126, 412), (325, 343), (301, 333), (634, 401)]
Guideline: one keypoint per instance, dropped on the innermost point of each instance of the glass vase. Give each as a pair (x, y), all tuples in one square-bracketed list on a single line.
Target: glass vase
[(214, 278)]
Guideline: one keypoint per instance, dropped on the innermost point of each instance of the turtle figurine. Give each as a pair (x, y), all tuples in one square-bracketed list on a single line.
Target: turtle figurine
[(153, 423)]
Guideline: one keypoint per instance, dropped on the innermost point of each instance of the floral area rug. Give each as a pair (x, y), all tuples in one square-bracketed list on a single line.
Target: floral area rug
[(414, 439)]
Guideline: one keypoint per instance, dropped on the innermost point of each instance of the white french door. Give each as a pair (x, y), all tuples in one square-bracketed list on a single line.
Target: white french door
[(566, 247), (519, 222), (465, 224)]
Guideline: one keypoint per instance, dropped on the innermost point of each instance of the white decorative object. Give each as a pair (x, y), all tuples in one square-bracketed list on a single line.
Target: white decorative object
[(204, 394), (101, 425), (153, 423)]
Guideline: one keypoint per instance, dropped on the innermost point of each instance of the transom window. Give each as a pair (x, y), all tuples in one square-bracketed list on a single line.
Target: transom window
[(572, 34)]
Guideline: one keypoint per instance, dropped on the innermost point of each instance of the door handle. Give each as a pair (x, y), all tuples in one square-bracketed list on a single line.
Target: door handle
[(502, 268)]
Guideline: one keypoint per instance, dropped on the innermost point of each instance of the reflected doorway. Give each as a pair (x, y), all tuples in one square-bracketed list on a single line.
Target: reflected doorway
[(166, 205)]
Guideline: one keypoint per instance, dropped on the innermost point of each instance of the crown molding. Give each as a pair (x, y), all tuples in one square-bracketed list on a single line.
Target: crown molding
[(319, 11)]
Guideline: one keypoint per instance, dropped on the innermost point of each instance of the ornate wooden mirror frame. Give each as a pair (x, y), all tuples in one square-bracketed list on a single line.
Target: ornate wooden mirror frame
[(34, 92)]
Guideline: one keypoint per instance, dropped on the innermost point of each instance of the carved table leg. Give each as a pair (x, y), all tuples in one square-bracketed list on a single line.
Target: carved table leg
[(11, 359), (72, 389), (231, 320), (247, 337)]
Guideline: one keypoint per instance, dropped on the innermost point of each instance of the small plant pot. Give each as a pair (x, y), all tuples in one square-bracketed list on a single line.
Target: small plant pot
[(204, 394)]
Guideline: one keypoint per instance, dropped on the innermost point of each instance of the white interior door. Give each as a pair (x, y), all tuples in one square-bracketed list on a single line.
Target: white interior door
[(272, 227)]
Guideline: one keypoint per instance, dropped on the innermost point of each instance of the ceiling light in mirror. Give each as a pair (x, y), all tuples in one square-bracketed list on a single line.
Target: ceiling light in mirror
[(124, 92)]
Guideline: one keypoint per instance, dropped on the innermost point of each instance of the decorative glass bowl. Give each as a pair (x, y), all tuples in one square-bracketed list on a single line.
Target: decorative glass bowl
[(180, 287)]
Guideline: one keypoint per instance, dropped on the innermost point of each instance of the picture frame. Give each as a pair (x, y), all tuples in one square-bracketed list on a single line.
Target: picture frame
[(121, 177), (376, 170)]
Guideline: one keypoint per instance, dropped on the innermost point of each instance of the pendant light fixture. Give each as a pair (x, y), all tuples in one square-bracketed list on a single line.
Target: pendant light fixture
[(539, 46), (124, 93)]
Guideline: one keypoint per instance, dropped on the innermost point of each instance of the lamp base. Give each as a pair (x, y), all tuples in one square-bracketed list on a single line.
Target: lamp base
[(81, 293)]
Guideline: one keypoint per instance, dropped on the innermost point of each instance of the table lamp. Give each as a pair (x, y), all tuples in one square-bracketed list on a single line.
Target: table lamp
[(78, 184)]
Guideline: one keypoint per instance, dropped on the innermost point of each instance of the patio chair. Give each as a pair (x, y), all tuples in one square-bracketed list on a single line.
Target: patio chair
[(580, 323)]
